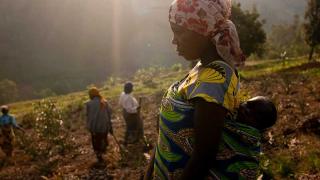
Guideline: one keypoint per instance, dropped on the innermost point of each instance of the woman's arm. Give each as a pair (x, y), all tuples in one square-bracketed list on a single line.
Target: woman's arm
[(109, 123), (87, 111), (109, 110), (208, 123)]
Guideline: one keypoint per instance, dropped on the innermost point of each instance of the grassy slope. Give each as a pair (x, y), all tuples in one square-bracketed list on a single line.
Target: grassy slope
[(165, 78), (162, 79)]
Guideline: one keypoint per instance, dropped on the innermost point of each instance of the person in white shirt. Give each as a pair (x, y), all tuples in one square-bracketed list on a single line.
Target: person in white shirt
[(131, 110)]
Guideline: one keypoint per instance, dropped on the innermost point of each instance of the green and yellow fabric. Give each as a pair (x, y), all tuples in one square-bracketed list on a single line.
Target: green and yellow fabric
[(216, 82)]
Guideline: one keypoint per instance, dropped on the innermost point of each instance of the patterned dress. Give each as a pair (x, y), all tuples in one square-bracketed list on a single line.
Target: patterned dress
[(216, 82)]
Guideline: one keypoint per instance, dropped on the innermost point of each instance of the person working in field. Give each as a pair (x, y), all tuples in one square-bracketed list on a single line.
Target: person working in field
[(130, 109), (194, 110), (7, 123), (98, 122)]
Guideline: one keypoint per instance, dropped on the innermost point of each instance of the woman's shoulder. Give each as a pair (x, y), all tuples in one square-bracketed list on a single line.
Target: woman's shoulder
[(220, 66), (217, 72), (214, 82), (93, 101)]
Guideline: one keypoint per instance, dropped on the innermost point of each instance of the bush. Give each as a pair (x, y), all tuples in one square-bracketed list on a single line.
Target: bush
[(28, 120), (28, 144), (49, 127), (49, 140)]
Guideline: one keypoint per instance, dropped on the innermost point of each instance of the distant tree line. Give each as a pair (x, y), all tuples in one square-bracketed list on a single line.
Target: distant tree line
[(8, 91), (312, 25), (297, 38), (286, 39), (275, 11)]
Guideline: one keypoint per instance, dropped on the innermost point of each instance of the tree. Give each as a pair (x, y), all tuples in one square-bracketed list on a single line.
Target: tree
[(8, 91), (312, 25), (250, 29)]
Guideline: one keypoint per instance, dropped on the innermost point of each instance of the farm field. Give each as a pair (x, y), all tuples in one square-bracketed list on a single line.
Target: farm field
[(291, 149)]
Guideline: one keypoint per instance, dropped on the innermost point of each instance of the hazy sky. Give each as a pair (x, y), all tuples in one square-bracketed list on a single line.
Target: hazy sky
[(82, 38), (88, 39)]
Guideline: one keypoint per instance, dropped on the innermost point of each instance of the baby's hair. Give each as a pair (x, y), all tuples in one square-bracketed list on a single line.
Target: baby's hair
[(267, 116)]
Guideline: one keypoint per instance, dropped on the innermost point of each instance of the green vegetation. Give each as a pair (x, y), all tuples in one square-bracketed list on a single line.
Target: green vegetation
[(287, 40), (49, 137), (269, 67), (250, 29)]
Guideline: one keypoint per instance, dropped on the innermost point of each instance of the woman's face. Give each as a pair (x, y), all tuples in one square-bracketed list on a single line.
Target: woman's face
[(190, 45)]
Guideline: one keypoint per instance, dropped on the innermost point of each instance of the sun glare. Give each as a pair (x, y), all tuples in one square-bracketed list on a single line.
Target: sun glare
[(116, 13)]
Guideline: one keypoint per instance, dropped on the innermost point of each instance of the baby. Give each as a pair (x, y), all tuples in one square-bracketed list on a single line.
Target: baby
[(258, 112)]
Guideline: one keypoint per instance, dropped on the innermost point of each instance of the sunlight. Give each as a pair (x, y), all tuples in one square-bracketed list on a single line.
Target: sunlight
[(115, 41), (95, 89)]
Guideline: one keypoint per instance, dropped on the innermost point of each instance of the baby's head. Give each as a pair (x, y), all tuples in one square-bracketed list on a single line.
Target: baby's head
[(4, 109), (258, 112)]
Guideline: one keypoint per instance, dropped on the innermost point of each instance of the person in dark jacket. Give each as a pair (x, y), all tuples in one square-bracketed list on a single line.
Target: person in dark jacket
[(98, 122)]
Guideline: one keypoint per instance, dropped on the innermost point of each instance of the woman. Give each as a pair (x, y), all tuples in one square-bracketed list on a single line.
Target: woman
[(194, 109), (98, 122), (7, 137)]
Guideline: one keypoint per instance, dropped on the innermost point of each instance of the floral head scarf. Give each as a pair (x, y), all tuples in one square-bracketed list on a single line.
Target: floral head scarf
[(210, 18)]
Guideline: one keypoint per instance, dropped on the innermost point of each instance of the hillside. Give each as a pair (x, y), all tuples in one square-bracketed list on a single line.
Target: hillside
[(67, 45), (291, 147)]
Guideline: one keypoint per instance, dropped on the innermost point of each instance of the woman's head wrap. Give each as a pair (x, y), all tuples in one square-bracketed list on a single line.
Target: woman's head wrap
[(94, 92), (210, 18)]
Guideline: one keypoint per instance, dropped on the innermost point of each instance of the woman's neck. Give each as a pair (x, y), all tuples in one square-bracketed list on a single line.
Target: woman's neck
[(209, 56)]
